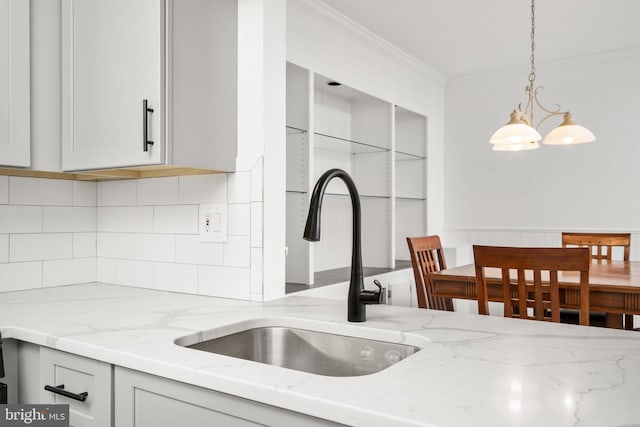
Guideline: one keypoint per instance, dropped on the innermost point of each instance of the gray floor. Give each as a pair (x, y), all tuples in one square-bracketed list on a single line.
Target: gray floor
[(329, 277)]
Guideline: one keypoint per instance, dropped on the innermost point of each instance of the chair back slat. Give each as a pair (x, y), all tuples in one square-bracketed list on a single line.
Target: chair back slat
[(528, 294), (427, 257)]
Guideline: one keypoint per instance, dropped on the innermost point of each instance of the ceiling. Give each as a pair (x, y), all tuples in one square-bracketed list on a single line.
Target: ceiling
[(458, 37)]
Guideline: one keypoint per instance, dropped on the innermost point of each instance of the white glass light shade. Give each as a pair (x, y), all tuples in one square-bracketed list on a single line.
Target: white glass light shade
[(519, 133), (531, 145), (569, 134)]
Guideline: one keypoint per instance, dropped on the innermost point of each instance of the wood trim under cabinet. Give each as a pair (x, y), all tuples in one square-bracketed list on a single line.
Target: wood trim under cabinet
[(110, 174)]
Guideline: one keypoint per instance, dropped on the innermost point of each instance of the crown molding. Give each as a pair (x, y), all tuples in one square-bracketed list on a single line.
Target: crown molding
[(332, 17), (596, 58), (607, 57)]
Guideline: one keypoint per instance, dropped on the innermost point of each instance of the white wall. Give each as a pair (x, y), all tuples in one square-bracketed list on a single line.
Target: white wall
[(529, 197)]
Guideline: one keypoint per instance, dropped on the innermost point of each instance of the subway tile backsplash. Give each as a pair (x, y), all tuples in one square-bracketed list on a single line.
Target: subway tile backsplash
[(141, 233), (18, 276), (4, 190), (20, 219), (40, 247), (45, 192), (65, 271), (4, 248), (47, 232), (175, 219), (147, 235), (76, 218)]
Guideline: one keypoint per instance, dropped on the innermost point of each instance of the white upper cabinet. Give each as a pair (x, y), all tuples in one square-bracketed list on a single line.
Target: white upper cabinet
[(177, 58), (15, 137), (112, 56)]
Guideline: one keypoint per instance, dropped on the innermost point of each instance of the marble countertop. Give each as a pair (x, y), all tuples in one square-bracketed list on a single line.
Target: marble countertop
[(476, 370)]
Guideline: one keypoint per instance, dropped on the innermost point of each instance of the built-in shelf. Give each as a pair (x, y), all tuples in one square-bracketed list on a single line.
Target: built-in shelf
[(384, 151), (410, 199), (291, 130), (362, 196), (343, 145), (402, 156)]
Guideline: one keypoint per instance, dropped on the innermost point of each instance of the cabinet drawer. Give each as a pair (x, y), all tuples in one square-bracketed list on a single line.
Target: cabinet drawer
[(78, 375)]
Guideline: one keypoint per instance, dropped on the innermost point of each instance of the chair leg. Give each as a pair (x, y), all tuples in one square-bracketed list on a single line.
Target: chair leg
[(628, 321), (614, 320)]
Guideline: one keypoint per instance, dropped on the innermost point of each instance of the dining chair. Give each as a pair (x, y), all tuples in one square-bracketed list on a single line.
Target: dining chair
[(601, 249), (535, 284), (427, 257), (600, 244)]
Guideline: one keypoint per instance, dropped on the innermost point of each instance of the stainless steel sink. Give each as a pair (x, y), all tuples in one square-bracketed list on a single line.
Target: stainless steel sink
[(305, 350)]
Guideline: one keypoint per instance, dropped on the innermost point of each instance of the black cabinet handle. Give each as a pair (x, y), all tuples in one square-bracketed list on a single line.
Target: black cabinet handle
[(59, 389), (1, 359), (145, 131)]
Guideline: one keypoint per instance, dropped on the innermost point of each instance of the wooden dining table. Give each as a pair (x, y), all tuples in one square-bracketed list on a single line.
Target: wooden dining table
[(614, 287)]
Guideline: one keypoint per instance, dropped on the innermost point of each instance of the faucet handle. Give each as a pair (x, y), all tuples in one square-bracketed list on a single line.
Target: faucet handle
[(372, 297), (377, 283)]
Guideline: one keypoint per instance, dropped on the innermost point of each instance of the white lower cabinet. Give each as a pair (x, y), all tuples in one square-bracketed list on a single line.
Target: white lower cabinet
[(121, 397), (28, 385), (73, 375), (143, 400)]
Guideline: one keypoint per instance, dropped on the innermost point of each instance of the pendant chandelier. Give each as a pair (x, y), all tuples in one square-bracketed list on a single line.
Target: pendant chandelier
[(520, 134)]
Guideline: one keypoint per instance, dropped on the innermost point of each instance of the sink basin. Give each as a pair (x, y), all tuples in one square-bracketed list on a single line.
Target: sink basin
[(306, 350)]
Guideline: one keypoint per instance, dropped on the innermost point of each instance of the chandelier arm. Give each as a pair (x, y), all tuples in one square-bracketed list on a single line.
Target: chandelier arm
[(556, 111), (529, 91), (551, 114), (557, 108)]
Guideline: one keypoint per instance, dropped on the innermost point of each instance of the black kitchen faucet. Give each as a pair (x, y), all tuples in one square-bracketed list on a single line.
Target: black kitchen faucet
[(358, 296)]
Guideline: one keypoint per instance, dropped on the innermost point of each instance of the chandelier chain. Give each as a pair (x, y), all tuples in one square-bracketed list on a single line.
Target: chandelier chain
[(532, 74)]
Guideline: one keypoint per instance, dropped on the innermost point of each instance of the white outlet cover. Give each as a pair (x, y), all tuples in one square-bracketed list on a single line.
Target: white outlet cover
[(212, 222)]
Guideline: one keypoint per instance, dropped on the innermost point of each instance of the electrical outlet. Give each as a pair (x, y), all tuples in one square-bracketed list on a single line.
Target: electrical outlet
[(212, 222)]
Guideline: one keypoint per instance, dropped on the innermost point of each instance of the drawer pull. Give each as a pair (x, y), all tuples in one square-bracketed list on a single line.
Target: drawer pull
[(59, 389)]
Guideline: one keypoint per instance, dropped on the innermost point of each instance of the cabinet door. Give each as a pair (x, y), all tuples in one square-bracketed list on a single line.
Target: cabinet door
[(15, 136), (143, 400), (28, 386), (112, 60), (78, 375)]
